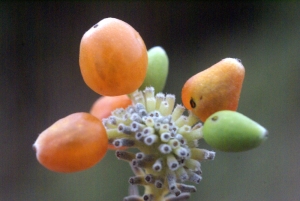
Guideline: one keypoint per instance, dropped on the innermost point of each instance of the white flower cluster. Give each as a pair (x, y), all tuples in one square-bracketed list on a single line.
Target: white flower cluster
[(167, 141)]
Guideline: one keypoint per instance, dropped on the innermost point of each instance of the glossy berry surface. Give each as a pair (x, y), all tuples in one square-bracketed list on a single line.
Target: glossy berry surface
[(113, 58), (214, 89), (74, 143)]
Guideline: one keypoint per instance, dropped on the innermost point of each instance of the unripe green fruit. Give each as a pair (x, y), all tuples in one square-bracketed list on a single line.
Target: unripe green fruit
[(157, 70), (233, 132)]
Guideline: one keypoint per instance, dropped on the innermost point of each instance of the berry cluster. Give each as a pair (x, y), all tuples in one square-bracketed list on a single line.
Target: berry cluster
[(115, 63)]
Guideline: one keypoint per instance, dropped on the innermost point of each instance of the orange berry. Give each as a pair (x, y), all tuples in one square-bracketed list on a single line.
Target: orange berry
[(113, 58), (74, 143), (104, 105), (214, 89)]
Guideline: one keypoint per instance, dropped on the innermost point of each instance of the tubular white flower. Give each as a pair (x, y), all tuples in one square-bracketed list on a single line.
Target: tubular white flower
[(167, 141)]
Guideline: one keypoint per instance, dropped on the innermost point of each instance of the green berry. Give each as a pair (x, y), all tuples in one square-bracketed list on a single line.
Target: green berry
[(157, 71), (233, 132)]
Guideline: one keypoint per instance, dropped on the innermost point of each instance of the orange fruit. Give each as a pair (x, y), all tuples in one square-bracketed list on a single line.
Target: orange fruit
[(104, 105), (113, 58), (214, 89), (74, 143)]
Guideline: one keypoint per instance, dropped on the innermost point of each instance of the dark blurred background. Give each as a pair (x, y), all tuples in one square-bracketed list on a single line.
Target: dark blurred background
[(41, 83)]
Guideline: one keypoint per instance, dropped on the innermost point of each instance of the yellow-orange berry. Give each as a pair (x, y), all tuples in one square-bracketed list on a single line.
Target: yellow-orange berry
[(214, 89), (113, 58), (74, 143), (104, 105)]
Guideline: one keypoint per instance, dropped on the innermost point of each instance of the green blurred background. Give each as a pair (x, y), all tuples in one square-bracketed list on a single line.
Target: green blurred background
[(41, 82)]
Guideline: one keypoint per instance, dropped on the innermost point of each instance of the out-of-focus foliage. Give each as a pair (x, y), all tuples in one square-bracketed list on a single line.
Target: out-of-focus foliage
[(40, 82)]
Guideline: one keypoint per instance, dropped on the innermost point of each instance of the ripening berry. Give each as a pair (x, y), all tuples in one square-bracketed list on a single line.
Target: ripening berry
[(158, 69), (233, 132), (113, 58), (214, 89), (104, 105), (74, 143)]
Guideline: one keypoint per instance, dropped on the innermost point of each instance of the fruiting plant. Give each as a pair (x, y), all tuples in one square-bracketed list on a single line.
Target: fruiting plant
[(134, 113)]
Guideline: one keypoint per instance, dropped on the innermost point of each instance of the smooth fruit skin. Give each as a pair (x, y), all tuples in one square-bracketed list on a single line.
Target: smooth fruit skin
[(104, 105), (74, 143), (158, 69), (214, 89), (113, 58), (231, 131)]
